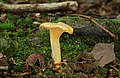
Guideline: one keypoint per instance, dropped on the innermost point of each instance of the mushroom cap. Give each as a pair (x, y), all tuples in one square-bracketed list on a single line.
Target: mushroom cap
[(60, 25)]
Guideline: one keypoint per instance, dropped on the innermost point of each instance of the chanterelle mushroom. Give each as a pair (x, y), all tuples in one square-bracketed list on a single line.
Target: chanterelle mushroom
[(56, 29)]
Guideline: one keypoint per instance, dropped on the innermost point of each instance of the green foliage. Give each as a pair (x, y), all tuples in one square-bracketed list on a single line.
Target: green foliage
[(53, 0), (72, 46), (28, 21), (118, 73), (8, 25), (17, 21), (3, 1), (113, 24), (19, 64), (48, 72)]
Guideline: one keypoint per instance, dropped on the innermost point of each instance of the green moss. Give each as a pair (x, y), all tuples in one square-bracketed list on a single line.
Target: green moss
[(8, 25), (19, 46)]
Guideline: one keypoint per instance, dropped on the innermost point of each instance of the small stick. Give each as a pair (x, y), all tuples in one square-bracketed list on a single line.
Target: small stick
[(22, 74), (95, 22), (3, 67), (37, 23)]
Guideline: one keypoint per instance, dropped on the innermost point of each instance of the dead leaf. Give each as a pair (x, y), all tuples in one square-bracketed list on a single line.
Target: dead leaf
[(85, 63), (118, 17), (12, 61), (103, 53), (34, 60), (110, 73), (3, 60), (3, 17), (85, 56), (1, 55)]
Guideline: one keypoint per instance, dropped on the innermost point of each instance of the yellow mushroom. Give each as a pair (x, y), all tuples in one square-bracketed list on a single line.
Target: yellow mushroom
[(56, 29)]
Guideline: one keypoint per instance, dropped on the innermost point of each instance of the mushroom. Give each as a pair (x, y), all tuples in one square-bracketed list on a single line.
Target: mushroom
[(56, 30)]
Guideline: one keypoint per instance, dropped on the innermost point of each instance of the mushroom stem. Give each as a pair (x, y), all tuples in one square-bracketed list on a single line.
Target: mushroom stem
[(56, 29), (54, 39)]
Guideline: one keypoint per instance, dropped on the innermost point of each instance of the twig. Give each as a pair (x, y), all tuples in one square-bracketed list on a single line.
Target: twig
[(95, 22), (3, 67), (45, 7), (114, 68), (22, 74), (37, 23)]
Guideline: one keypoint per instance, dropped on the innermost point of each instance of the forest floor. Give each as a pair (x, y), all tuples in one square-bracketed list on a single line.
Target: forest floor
[(26, 49), (20, 38)]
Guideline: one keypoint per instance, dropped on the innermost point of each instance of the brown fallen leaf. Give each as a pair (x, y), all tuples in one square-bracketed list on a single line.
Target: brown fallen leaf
[(85, 63), (103, 53), (111, 73), (12, 61), (85, 56), (34, 60), (109, 9), (3, 17), (1, 55), (3, 61)]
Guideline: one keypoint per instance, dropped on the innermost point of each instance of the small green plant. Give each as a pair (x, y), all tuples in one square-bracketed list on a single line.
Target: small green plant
[(8, 25)]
